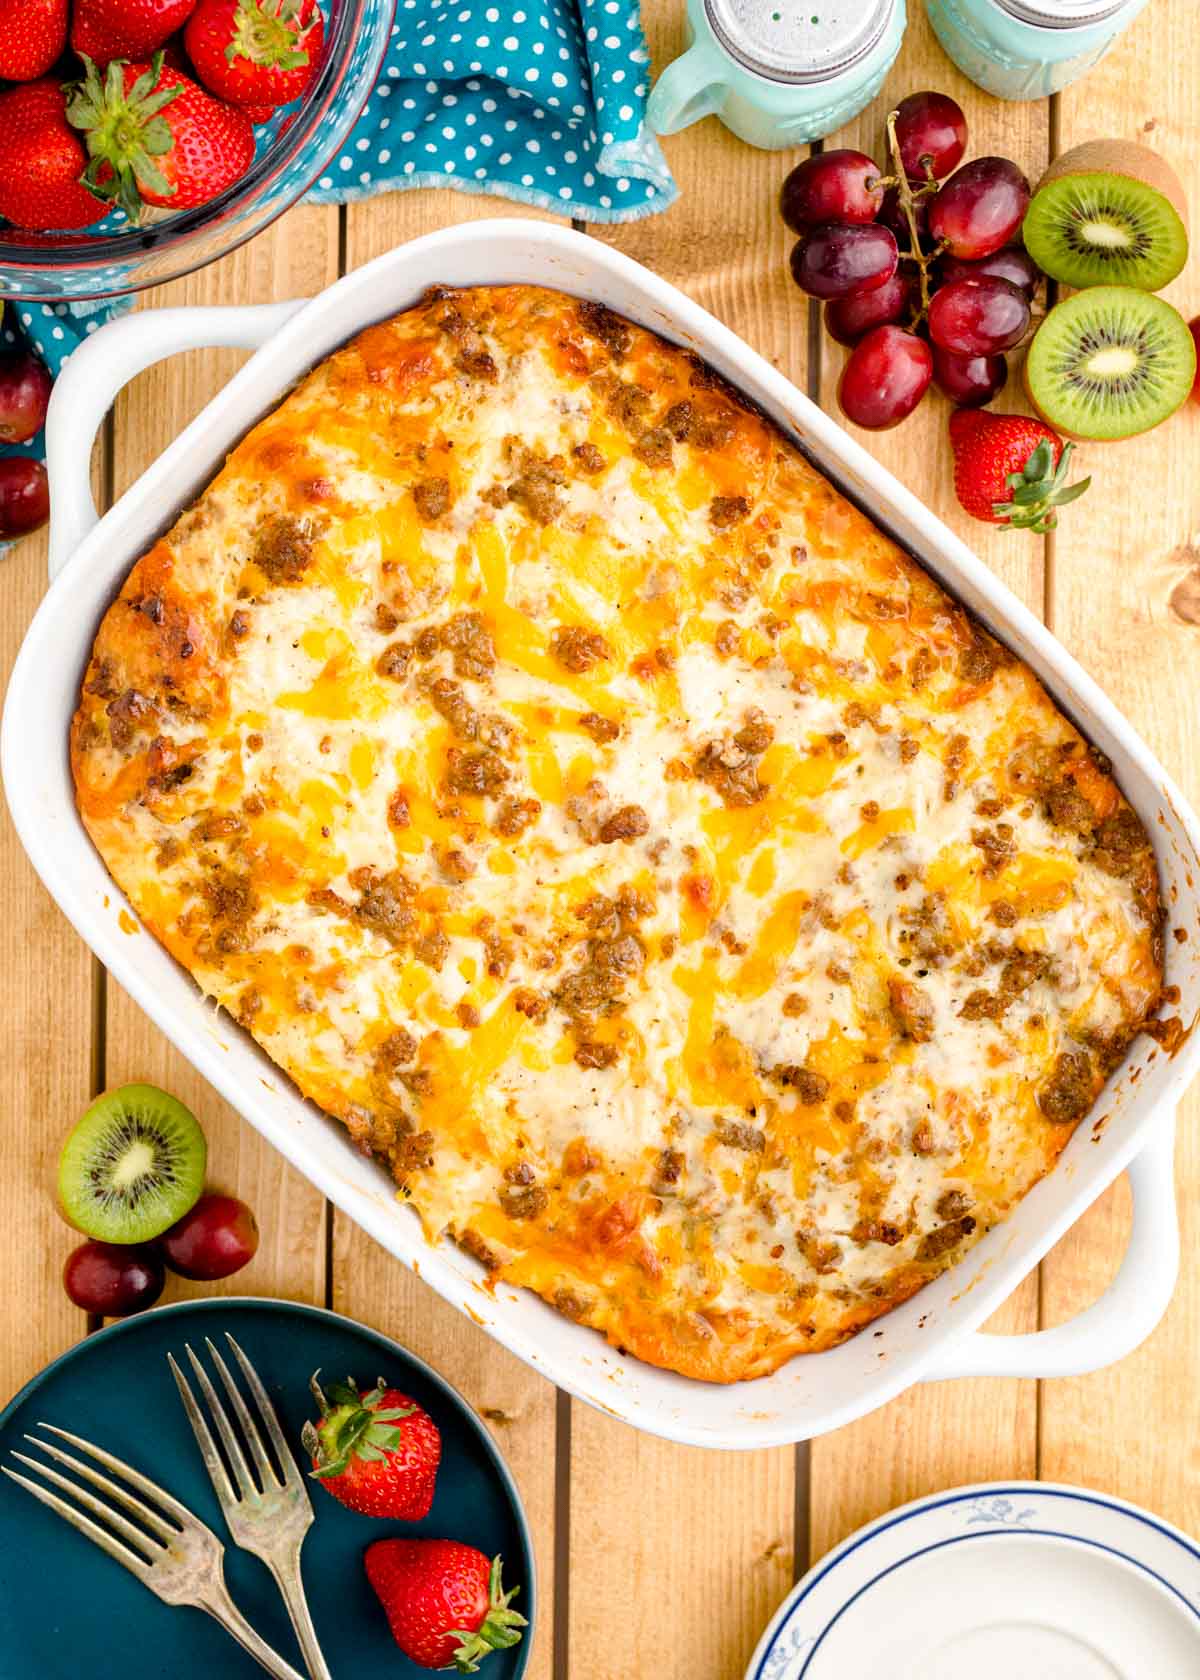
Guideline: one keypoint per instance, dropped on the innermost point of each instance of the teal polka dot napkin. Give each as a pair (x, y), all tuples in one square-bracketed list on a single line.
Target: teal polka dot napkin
[(543, 102)]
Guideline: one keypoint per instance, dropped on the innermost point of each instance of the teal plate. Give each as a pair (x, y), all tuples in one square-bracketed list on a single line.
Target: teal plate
[(67, 1609)]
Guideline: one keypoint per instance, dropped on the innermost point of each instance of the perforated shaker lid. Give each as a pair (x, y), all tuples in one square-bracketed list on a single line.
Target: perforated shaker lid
[(1062, 14), (798, 40)]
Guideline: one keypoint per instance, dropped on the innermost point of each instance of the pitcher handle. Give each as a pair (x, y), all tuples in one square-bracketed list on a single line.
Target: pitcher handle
[(694, 86)]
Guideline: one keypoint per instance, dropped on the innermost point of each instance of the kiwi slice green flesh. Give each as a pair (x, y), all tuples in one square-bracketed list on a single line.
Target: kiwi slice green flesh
[(1101, 229), (132, 1166), (1110, 362)]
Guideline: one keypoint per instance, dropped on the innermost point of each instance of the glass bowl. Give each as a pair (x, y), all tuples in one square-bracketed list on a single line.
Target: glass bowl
[(116, 257)]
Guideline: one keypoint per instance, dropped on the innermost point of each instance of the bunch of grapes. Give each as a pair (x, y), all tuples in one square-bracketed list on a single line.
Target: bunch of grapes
[(921, 271)]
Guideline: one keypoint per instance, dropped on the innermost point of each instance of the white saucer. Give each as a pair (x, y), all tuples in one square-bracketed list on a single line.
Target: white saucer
[(995, 1581)]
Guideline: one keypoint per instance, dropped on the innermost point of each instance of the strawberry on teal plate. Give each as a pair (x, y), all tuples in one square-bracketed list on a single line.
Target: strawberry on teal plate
[(67, 1609)]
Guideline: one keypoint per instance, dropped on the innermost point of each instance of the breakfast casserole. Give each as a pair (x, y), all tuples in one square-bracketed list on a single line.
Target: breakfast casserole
[(702, 918)]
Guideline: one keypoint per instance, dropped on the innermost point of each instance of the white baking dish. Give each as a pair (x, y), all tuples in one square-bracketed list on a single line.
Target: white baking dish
[(934, 1335)]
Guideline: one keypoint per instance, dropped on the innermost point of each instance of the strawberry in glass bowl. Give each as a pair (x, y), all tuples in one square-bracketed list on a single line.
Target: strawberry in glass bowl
[(280, 108), (256, 54)]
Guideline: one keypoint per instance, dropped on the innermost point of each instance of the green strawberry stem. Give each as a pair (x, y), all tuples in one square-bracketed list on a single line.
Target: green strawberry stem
[(263, 35), (123, 132), (1037, 490), (499, 1629), (353, 1425)]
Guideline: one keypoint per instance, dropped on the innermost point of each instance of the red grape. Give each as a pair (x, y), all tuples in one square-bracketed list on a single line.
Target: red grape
[(979, 316), (842, 259), (1194, 329), (930, 125), (969, 381), (836, 186), (24, 496), (1010, 262), (24, 395), (885, 376), (217, 1237), (848, 318), (113, 1279), (980, 208), (891, 214)]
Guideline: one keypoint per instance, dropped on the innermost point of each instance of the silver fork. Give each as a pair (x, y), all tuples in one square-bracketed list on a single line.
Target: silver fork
[(179, 1560), (268, 1516)]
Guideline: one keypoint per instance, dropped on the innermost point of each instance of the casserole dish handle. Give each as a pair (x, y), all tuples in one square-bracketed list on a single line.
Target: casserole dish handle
[(88, 384), (1128, 1310)]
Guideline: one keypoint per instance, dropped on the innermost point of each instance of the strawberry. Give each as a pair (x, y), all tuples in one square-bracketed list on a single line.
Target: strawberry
[(377, 1453), (255, 52), (108, 29), (1010, 470), (443, 1601), (154, 137), (42, 160), (32, 35)]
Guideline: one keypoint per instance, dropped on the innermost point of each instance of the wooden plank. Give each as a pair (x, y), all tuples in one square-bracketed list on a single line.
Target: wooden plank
[(679, 1555), (943, 1433), (519, 1406), (380, 224), (46, 1071), (696, 1547), (296, 257), (1123, 573)]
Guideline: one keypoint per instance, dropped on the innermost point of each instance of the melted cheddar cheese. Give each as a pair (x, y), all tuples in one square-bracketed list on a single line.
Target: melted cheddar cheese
[(704, 921)]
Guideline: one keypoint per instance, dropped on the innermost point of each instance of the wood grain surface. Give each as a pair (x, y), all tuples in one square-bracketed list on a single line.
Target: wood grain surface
[(657, 1560)]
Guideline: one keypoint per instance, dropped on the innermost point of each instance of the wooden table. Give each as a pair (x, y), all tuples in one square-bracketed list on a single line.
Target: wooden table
[(656, 1559)]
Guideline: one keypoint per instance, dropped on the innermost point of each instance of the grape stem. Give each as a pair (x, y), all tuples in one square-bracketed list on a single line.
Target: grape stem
[(908, 203)]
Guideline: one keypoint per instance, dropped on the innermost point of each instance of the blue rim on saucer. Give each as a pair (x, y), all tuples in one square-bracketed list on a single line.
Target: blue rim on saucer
[(1110, 1570), (67, 1609)]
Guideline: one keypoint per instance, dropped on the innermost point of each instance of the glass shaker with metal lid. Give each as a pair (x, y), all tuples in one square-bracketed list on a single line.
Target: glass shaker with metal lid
[(777, 72), (1026, 49)]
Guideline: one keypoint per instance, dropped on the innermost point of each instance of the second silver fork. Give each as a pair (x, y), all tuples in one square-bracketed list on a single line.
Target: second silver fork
[(268, 1512)]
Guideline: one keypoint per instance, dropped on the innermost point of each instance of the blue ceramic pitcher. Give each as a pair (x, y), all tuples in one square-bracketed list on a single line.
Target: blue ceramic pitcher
[(1026, 49), (777, 72)]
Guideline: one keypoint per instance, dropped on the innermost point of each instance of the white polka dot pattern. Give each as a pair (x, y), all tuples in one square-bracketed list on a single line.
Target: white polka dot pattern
[(534, 80)]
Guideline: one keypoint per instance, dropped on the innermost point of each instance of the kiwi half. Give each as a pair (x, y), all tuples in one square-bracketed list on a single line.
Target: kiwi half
[(1109, 213), (132, 1166), (1110, 362)]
